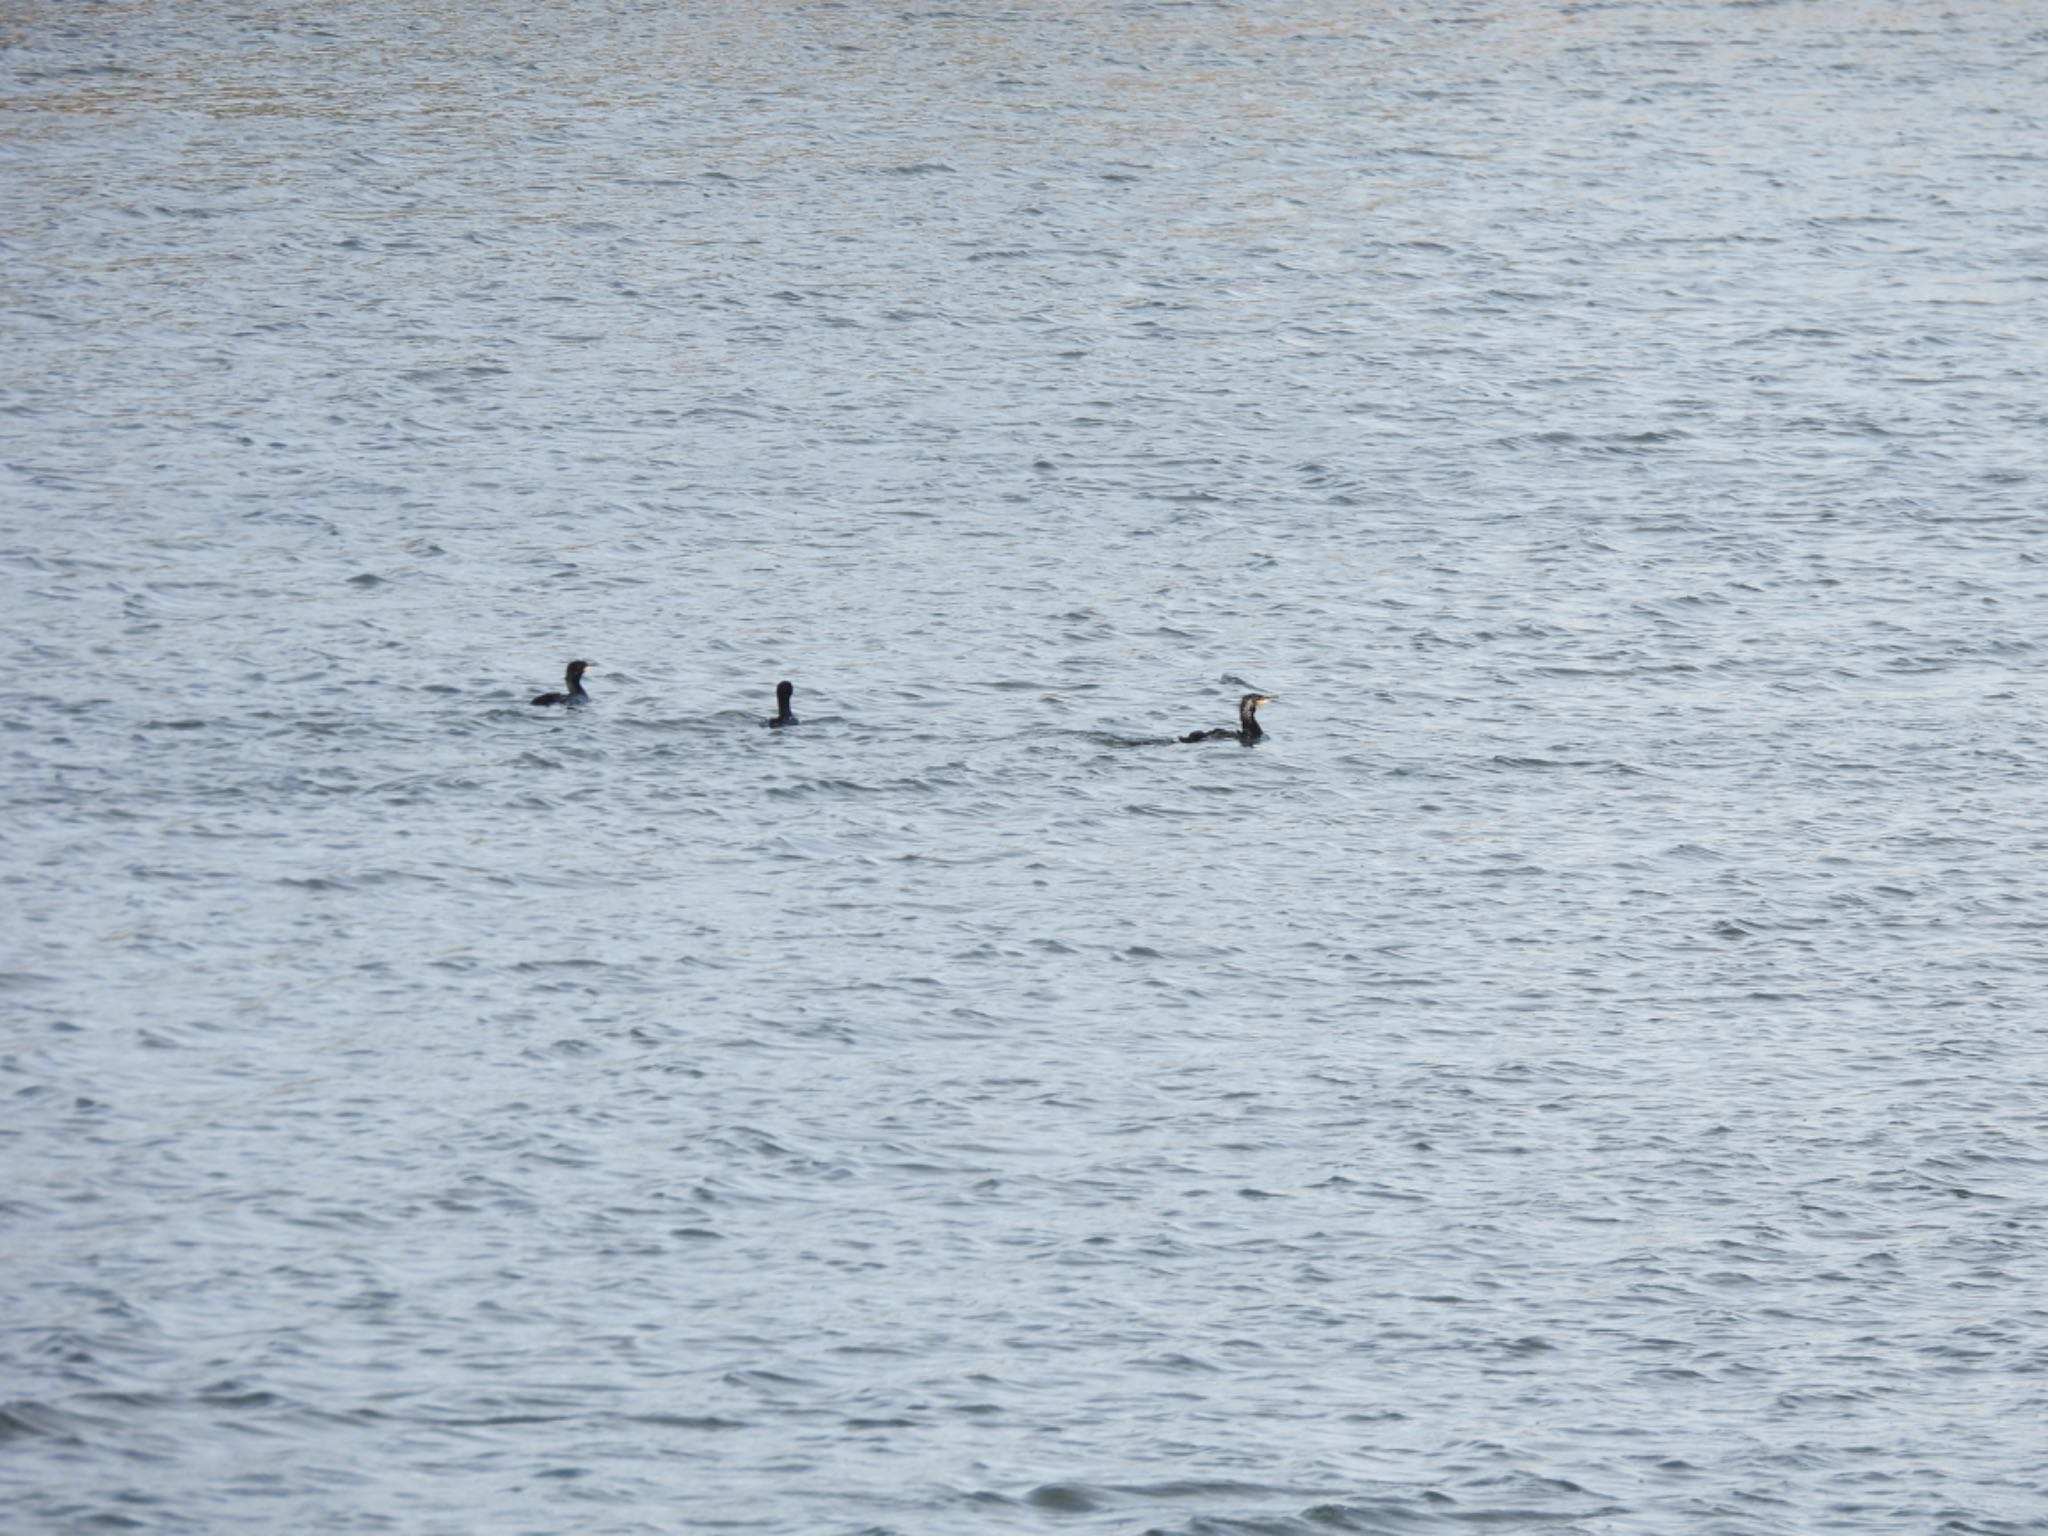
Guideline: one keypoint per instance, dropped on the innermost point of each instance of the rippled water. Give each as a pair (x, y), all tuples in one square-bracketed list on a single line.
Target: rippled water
[(1582, 1072)]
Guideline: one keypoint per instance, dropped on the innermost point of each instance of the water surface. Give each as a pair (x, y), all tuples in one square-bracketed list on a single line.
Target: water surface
[(1581, 1073)]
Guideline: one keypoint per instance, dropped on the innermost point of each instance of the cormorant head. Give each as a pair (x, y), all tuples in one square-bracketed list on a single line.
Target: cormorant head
[(782, 692), (1249, 704), (576, 671)]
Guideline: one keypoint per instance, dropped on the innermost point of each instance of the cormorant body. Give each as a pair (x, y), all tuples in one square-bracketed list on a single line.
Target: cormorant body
[(783, 690), (1248, 729), (574, 678)]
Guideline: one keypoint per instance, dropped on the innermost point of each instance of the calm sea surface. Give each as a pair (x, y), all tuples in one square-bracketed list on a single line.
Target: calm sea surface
[(1586, 1071)]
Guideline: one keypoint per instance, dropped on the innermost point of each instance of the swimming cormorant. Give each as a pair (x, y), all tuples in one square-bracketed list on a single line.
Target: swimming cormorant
[(574, 678), (782, 715), (1247, 723)]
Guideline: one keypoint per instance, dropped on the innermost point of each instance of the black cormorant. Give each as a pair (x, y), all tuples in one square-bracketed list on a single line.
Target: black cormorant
[(1247, 722), (574, 678), (782, 715)]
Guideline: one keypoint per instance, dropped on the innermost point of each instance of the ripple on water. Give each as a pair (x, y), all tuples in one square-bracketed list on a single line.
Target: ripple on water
[(1576, 1073)]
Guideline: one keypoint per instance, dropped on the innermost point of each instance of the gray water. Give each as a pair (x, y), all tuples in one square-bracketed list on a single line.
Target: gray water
[(1582, 1072)]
